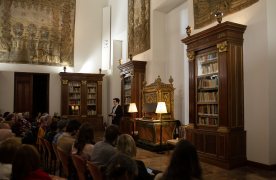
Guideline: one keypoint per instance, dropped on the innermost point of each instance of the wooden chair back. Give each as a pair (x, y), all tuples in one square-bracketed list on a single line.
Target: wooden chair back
[(80, 165), (64, 158), (94, 171)]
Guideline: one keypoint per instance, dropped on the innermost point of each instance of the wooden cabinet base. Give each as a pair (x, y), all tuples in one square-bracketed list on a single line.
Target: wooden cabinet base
[(224, 149)]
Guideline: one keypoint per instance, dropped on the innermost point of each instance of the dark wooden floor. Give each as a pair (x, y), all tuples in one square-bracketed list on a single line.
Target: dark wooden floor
[(210, 172)]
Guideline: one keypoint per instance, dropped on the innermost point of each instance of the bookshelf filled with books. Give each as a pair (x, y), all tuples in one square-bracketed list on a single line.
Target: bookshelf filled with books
[(216, 122), (81, 97)]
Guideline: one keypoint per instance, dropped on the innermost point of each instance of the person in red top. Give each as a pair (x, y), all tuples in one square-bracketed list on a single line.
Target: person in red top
[(26, 165)]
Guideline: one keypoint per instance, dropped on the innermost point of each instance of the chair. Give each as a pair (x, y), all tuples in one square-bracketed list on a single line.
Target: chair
[(80, 165), (94, 171), (64, 159), (58, 159), (51, 156), (43, 147)]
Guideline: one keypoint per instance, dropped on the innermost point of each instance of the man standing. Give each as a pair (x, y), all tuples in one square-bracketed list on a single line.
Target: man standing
[(117, 112)]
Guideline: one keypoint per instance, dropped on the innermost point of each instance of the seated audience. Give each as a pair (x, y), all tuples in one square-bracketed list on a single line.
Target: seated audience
[(126, 145), (5, 131), (184, 163), (121, 167), (67, 139), (51, 131), (21, 125), (61, 126), (104, 150), (26, 164), (84, 143), (42, 128), (8, 149)]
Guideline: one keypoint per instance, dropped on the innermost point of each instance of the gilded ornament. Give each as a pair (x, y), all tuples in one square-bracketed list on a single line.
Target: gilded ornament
[(222, 47), (191, 55), (64, 81)]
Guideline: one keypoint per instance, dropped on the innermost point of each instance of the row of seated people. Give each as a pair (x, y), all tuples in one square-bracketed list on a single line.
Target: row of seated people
[(77, 141)]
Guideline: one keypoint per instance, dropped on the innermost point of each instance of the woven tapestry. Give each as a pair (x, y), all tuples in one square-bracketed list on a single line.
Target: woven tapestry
[(204, 9), (37, 31), (138, 26)]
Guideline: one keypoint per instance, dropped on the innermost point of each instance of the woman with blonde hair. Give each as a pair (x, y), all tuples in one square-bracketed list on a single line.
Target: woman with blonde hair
[(126, 145)]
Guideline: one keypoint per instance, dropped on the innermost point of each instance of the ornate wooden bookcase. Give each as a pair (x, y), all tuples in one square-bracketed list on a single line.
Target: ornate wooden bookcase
[(133, 75), (216, 122), (81, 97), (150, 125)]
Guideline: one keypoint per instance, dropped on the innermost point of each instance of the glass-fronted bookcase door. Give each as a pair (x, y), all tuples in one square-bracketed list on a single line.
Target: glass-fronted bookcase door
[(207, 81)]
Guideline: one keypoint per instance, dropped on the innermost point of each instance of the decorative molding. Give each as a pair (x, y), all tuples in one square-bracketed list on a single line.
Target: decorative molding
[(222, 47), (65, 82), (83, 82), (191, 55)]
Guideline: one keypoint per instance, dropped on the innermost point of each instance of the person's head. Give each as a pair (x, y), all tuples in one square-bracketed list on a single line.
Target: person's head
[(111, 134), (116, 101), (72, 127), (6, 114), (121, 167), (126, 145), (184, 162), (11, 117), (61, 125), (8, 149), (85, 136), (53, 126), (26, 160)]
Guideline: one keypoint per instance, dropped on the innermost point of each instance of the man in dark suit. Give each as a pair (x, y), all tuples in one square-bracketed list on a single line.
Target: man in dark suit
[(117, 112)]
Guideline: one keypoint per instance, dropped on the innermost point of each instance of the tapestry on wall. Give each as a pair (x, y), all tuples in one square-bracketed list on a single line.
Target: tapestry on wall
[(37, 31), (138, 26), (204, 9)]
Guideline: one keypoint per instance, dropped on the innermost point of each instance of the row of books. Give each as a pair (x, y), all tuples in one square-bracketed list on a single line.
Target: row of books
[(207, 83), (208, 69), (207, 96), (208, 109), (91, 90), (207, 57), (74, 89), (74, 96), (91, 101), (207, 121), (74, 102), (74, 83), (91, 96), (91, 112), (92, 85)]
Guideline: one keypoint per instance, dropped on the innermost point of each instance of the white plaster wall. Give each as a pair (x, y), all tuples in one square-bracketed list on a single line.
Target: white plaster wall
[(88, 35), (119, 20), (271, 14), (176, 21)]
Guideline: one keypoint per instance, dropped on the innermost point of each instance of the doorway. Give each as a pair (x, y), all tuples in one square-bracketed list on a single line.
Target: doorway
[(31, 93)]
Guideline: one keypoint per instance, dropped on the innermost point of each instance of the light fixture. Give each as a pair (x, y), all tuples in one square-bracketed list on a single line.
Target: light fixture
[(161, 109), (133, 109)]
